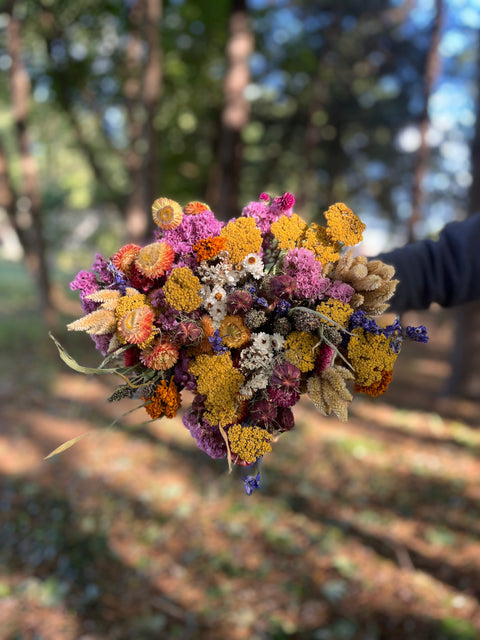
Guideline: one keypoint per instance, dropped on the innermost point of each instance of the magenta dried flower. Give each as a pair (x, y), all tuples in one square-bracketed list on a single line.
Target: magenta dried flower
[(284, 388), (285, 419), (263, 413), (187, 332), (283, 286), (239, 302)]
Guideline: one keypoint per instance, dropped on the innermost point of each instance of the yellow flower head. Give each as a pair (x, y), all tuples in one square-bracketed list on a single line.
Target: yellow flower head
[(166, 213), (243, 237), (289, 231), (316, 239), (249, 443), (300, 350), (128, 303), (220, 382), (233, 332), (181, 290), (343, 225), (336, 310), (370, 355)]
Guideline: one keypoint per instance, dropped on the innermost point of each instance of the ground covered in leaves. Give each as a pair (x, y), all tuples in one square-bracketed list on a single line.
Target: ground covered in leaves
[(363, 531)]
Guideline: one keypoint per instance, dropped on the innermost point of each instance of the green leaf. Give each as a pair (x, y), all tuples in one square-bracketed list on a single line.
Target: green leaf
[(66, 445), (73, 364)]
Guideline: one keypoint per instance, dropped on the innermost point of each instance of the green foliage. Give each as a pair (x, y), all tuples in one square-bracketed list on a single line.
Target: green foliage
[(452, 628)]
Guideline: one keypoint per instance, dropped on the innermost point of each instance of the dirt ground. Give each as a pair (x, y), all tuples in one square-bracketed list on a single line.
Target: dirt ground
[(368, 530)]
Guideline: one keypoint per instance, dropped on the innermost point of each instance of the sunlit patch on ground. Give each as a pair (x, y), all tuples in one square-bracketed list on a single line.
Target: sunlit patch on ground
[(361, 530)]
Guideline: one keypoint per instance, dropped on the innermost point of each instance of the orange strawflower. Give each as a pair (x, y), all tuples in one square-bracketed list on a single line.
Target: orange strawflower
[(233, 332), (136, 326), (160, 356), (192, 208), (166, 401), (154, 259), (209, 248), (125, 257)]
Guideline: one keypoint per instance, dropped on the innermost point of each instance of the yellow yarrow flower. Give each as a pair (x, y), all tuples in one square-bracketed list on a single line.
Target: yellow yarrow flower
[(129, 303), (343, 225), (220, 382), (336, 310), (249, 443), (370, 355), (181, 290), (316, 239), (300, 350), (289, 231), (243, 237)]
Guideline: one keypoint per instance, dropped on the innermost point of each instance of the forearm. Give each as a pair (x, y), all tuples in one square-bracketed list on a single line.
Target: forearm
[(446, 271)]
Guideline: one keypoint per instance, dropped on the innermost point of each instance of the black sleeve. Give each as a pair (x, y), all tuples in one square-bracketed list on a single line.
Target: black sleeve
[(446, 271)]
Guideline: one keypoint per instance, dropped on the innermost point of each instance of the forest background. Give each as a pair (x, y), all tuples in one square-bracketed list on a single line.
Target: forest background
[(105, 106)]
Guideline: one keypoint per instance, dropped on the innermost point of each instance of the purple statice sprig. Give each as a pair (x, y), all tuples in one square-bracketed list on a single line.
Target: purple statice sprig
[(251, 483), (418, 334), (119, 279), (394, 331), (217, 342)]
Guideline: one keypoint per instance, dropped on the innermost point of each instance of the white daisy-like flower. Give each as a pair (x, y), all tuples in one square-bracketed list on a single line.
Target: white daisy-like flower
[(218, 312), (277, 341), (262, 343), (253, 264), (213, 295)]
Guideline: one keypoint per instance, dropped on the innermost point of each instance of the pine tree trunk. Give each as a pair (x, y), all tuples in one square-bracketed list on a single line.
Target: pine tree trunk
[(224, 189), (432, 65), (142, 91)]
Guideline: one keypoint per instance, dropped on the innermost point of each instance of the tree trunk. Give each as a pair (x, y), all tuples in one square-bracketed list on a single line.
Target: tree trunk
[(432, 68), (142, 91), (30, 228), (225, 182), (465, 360)]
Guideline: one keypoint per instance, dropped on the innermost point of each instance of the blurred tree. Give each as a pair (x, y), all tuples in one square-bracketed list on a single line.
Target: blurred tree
[(332, 88), (23, 203), (432, 70), (224, 188)]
